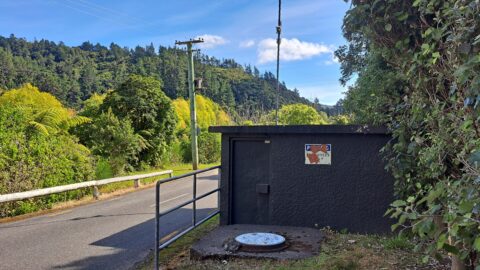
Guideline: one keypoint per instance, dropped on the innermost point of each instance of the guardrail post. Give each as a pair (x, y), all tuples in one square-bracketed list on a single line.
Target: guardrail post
[(96, 192), (170, 175), (136, 183)]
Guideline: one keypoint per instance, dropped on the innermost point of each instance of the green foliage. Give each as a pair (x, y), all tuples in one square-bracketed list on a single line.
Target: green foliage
[(112, 139), (378, 87), (340, 119), (35, 160), (299, 114), (208, 114), (419, 72), (398, 242), (103, 170), (47, 114), (209, 148), (152, 116), (74, 74)]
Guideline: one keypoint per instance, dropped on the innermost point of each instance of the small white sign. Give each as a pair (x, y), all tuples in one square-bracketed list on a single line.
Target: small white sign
[(318, 154)]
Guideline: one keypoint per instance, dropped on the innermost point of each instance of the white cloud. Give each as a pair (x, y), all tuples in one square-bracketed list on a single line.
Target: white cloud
[(247, 43), (211, 41), (290, 50), (333, 60)]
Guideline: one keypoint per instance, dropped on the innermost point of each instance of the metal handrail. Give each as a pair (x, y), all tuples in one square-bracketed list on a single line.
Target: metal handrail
[(193, 201), (95, 183)]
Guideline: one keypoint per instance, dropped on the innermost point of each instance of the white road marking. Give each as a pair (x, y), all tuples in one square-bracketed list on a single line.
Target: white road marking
[(171, 199)]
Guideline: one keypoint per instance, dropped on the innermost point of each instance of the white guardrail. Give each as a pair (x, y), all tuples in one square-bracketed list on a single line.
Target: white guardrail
[(95, 183)]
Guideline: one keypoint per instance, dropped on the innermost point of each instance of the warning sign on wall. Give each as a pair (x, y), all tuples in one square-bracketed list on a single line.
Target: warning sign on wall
[(318, 154)]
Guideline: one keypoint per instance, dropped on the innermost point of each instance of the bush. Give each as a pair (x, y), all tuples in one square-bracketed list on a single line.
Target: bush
[(113, 140), (298, 114), (31, 160), (209, 148), (141, 101)]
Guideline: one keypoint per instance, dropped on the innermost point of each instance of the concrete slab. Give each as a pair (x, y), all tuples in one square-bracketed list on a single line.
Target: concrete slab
[(220, 244)]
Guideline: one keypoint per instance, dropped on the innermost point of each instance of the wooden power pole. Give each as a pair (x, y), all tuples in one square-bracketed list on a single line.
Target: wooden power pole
[(191, 94)]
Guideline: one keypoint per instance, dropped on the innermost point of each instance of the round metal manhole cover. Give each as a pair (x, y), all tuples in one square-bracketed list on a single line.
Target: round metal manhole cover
[(261, 242)]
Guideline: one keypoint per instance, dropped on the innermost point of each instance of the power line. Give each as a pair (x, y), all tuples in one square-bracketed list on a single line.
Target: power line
[(111, 11), (104, 14)]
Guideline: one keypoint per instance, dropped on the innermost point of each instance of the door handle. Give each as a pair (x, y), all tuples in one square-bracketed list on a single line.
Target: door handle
[(263, 188)]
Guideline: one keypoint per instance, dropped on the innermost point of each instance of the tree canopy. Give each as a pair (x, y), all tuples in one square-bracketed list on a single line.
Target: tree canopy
[(208, 113), (74, 74), (141, 101), (418, 67), (300, 114)]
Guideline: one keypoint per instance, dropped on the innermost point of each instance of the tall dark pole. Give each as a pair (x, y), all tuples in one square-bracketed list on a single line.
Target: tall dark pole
[(279, 31), (191, 94)]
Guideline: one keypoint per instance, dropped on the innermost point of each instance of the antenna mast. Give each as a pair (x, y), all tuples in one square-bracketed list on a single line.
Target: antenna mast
[(279, 31)]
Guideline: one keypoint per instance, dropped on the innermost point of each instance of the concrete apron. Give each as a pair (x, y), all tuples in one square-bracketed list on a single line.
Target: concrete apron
[(220, 244)]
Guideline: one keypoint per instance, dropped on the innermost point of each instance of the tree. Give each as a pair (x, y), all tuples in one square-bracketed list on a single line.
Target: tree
[(112, 139), (428, 51), (47, 114), (377, 88), (300, 114), (73, 74), (141, 100), (208, 113)]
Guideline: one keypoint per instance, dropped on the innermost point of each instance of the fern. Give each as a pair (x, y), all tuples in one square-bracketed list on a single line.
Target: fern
[(75, 121), (39, 127)]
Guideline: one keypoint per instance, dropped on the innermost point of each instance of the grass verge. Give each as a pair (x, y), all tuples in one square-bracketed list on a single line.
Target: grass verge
[(178, 251), (340, 251)]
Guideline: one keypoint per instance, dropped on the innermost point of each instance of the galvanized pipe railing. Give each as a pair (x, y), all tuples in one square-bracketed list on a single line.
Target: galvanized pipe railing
[(193, 201)]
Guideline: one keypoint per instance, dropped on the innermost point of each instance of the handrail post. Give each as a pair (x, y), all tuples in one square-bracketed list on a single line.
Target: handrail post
[(158, 214), (157, 223), (194, 206), (219, 186)]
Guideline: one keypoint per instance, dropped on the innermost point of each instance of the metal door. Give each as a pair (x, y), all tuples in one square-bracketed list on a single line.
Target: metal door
[(250, 181)]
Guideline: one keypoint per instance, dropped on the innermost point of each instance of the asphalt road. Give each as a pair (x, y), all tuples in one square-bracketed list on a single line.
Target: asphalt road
[(110, 234)]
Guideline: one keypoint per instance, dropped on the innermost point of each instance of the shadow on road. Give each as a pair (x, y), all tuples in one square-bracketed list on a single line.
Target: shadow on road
[(134, 244), (73, 219), (207, 177)]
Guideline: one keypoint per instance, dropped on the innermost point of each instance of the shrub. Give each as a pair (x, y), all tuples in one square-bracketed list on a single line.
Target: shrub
[(141, 101), (31, 160)]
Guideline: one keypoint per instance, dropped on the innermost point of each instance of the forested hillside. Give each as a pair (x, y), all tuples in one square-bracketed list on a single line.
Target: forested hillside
[(73, 74)]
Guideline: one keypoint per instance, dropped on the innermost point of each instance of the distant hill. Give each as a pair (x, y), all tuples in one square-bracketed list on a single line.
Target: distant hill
[(73, 74)]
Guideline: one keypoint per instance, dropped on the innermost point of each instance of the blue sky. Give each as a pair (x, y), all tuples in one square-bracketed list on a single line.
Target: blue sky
[(239, 29)]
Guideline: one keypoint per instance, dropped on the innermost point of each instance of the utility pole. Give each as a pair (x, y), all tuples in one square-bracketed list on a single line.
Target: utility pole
[(191, 94)]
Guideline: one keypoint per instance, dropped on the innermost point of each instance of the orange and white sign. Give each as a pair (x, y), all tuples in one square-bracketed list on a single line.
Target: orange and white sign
[(318, 154)]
